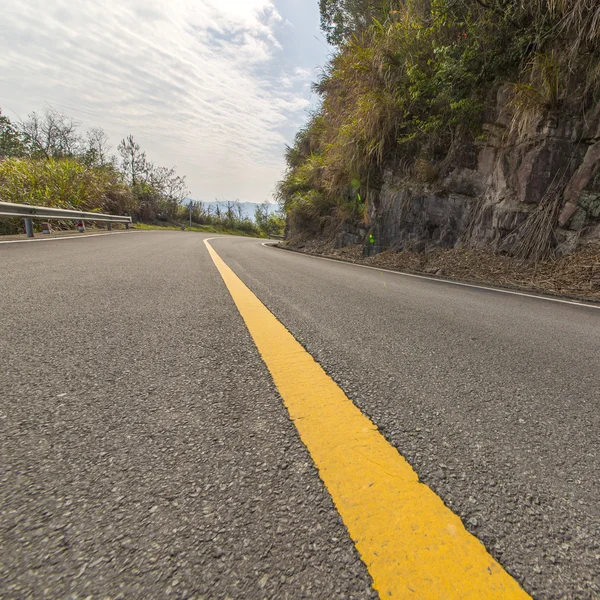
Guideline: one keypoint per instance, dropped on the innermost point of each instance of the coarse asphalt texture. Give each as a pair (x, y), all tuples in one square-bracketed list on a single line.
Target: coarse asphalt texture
[(144, 451)]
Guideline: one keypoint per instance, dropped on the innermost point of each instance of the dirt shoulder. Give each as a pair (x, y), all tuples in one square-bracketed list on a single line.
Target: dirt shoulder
[(576, 275)]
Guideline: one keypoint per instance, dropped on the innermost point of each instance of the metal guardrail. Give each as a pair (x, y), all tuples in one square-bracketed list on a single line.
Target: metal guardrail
[(11, 209)]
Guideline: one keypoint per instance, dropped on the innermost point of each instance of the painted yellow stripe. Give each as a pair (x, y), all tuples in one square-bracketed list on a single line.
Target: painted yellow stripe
[(412, 544)]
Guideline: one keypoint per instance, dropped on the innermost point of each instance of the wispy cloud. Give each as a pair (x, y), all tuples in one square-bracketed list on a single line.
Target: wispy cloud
[(198, 82)]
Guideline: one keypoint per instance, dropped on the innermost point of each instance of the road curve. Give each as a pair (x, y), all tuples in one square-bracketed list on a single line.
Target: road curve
[(146, 451)]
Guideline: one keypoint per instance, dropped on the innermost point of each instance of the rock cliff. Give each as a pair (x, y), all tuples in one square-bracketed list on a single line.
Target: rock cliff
[(525, 190)]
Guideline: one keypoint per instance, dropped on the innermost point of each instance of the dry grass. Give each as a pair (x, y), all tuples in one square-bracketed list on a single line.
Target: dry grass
[(579, 18), (536, 236), (544, 90)]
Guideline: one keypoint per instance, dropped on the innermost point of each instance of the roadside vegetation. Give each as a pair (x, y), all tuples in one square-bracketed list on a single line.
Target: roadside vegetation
[(196, 228), (45, 160), (410, 82)]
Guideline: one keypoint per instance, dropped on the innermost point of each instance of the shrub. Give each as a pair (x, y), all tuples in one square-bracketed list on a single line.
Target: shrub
[(62, 183)]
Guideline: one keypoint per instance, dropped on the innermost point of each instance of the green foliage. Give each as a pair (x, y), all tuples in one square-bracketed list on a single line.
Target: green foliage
[(159, 190), (269, 223), (340, 19), (62, 183), (11, 143), (410, 83), (232, 217), (226, 217), (216, 228)]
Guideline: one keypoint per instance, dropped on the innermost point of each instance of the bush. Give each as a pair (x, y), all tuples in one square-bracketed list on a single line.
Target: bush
[(269, 223), (61, 183)]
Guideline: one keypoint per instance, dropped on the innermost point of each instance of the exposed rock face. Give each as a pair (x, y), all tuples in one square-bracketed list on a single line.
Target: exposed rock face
[(410, 219), (490, 189)]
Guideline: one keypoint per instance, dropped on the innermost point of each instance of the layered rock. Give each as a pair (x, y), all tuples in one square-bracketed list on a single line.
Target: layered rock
[(521, 177)]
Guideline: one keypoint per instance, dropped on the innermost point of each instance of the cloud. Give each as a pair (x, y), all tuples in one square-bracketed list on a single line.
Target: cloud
[(198, 83), (299, 75)]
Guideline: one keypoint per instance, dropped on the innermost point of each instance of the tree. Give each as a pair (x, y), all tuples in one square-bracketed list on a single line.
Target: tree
[(239, 210), (51, 135), (134, 163), (133, 160), (11, 143), (160, 190), (229, 210), (167, 182), (200, 214), (340, 19), (97, 148), (170, 187), (270, 223), (261, 214)]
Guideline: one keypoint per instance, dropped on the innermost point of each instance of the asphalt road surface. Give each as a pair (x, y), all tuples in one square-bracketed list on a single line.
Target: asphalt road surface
[(145, 452)]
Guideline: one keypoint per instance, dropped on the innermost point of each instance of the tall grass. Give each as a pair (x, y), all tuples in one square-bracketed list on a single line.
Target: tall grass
[(61, 183)]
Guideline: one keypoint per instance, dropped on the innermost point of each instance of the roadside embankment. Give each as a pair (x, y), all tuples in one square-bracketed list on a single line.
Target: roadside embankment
[(577, 274)]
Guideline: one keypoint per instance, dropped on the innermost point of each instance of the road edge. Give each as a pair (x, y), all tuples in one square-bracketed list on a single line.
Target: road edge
[(515, 290)]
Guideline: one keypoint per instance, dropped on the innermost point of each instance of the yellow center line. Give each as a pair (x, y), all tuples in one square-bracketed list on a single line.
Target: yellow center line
[(412, 544)]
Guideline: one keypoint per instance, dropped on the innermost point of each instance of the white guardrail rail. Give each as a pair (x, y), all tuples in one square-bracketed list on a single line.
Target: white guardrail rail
[(28, 212)]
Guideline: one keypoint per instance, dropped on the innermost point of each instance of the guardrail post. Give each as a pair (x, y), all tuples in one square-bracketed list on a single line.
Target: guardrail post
[(28, 227), (109, 226)]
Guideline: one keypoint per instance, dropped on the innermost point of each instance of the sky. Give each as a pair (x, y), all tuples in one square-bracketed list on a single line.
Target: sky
[(215, 88)]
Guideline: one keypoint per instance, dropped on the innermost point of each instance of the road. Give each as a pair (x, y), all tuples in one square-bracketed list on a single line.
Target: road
[(146, 452)]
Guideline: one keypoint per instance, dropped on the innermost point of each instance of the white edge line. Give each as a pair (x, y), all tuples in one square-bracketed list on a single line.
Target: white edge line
[(448, 281), (66, 237)]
